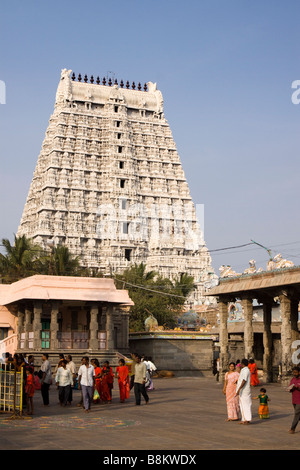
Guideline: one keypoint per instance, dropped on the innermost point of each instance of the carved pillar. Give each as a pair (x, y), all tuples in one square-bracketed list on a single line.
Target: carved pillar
[(248, 327), (223, 338), (110, 327), (267, 341), (286, 336), (54, 325), (20, 327), (37, 325), (27, 326), (93, 343)]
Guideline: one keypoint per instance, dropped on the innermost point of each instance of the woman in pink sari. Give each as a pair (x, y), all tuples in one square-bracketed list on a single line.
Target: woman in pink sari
[(229, 390)]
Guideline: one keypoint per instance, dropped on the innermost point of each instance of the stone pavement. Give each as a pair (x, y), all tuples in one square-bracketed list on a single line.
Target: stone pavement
[(183, 414)]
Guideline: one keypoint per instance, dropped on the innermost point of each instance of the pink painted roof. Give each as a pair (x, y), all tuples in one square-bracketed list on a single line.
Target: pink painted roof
[(40, 287)]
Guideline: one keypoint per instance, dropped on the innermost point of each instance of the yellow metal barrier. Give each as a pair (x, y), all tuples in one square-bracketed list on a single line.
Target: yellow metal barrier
[(11, 390)]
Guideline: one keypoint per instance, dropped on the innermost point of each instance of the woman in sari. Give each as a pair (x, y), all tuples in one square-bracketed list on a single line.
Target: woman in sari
[(229, 390), (106, 382), (122, 374), (254, 375), (109, 375), (98, 373)]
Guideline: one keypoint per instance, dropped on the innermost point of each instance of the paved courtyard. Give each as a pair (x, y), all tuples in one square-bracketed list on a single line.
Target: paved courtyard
[(183, 414)]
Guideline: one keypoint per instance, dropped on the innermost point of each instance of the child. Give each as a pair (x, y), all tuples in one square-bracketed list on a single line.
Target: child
[(29, 390), (37, 383), (263, 398)]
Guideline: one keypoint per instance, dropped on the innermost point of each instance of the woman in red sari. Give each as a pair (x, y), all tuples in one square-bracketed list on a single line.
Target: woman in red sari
[(254, 375), (108, 379), (98, 373), (122, 374)]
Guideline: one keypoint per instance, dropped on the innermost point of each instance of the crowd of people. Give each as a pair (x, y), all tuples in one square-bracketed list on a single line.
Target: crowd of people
[(95, 381), (239, 381)]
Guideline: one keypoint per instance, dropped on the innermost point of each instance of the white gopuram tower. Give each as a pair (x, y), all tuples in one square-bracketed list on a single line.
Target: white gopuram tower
[(109, 183)]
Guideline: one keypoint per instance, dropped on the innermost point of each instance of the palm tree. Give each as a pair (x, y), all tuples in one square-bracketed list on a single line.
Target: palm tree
[(63, 263), (24, 258), (138, 274), (20, 259), (185, 284), (153, 293)]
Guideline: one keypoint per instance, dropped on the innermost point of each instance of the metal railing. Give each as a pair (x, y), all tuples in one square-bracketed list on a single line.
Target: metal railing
[(11, 389)]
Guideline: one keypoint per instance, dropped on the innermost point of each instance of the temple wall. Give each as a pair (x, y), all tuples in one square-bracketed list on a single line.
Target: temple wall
[(175, 353)]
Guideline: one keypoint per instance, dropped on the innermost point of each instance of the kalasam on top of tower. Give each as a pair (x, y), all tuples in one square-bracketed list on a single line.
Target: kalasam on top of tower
[(109, 183)]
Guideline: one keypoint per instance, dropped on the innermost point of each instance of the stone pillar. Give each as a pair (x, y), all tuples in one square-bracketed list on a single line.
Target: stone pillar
[(123, 339), (223, 338), (110, 327), (267, 341), (37, 324), (20, 327), (54, 325), (248, 327), (93, 343), (125, 329), (27, 326), (286, 336)]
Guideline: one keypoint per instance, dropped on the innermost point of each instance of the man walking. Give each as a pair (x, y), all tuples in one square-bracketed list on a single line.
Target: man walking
[(243, 391), (64, 380), (86, 379), (294, 388), (140, 380)]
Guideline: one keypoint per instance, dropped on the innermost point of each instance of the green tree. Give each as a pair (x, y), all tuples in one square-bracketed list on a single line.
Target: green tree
[(152, 293), (25, 258), (60, 262), (20, 259)]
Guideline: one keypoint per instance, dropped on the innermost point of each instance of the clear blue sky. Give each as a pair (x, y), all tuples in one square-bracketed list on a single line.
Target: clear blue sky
[(225, 69)]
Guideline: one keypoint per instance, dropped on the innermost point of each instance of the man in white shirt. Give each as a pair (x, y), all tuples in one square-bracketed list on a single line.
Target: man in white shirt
[(243, 391), (72, 367), (151, 368), (86, 379), (64, 380), (140, 380)]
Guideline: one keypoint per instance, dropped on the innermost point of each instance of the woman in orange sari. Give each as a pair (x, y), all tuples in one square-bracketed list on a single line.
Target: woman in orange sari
[(254, 375), (122, 374), (229, 390)]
